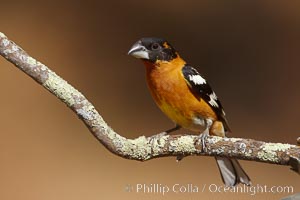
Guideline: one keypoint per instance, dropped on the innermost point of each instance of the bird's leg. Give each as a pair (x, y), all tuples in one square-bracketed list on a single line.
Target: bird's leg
[(159, 135), (177, 127), (205, 134)]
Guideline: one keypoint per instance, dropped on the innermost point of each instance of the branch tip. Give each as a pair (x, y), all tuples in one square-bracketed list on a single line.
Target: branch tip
[(295, 164)]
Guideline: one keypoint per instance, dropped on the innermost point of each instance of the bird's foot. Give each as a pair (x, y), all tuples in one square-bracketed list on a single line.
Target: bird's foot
[(159, 135), (155, 138), (203, 136)]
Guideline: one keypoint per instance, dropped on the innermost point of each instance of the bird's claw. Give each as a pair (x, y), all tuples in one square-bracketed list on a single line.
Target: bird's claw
[(203, 137), (156, 137)]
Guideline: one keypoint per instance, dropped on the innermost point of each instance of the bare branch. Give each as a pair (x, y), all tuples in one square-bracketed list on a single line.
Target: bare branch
[(145, 148)]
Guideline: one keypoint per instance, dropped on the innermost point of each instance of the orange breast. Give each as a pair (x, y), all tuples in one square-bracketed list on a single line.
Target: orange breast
[(172, 94)]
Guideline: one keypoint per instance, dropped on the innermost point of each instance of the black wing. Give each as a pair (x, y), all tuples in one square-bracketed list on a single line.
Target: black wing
[(201, 89)]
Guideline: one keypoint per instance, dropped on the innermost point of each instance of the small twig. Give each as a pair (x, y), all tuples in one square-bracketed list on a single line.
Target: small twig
[(145, 148)]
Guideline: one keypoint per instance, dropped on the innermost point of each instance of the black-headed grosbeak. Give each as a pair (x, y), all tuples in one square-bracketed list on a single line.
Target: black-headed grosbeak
[(186, 98)]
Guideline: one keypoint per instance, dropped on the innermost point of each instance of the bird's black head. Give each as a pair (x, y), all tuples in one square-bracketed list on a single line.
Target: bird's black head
[(153, 49)]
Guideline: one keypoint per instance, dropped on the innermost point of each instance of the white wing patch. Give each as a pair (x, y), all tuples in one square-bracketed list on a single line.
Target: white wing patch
[(197, 79), (213, 100)]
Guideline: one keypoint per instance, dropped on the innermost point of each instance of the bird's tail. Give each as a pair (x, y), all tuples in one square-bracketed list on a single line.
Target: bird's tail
[(231, 171)]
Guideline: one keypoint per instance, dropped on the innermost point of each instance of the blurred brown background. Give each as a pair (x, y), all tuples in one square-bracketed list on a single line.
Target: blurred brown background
[(249, 52)]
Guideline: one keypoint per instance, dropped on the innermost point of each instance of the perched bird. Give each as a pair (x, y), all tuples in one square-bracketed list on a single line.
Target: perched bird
[(186, 98)]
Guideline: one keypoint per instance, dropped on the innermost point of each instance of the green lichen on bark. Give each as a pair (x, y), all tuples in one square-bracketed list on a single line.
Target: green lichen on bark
[(269, 151), (183, 144), (137, 148), (60, 88)]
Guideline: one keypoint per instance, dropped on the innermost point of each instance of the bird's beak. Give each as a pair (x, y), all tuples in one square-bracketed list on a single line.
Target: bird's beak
[(139, 51)]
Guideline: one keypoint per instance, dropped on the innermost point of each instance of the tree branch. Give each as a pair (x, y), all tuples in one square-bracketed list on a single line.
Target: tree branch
[(145, 148)]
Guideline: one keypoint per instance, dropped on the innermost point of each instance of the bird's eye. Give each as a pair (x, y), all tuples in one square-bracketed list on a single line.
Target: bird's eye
[(155, 46)]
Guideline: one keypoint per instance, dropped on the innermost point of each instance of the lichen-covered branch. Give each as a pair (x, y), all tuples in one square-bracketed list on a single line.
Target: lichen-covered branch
[(145, 148)]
